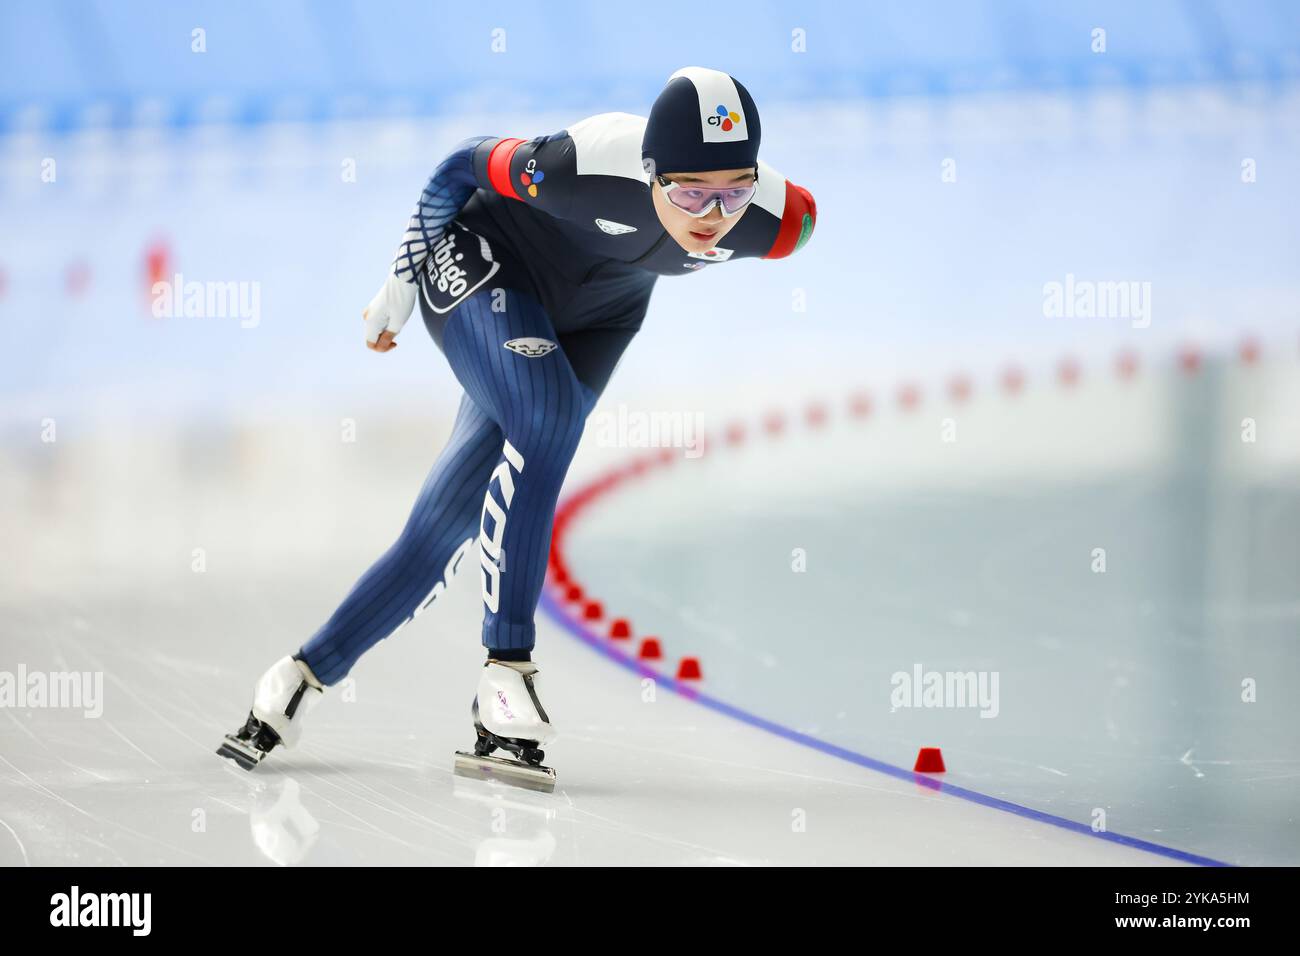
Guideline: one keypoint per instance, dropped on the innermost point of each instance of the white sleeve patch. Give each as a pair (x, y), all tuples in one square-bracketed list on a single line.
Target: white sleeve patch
[(771, 190), (609, 144)]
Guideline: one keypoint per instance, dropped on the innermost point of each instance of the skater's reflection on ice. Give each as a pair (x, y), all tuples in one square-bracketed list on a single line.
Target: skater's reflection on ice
[(519, 823), (283, 830)]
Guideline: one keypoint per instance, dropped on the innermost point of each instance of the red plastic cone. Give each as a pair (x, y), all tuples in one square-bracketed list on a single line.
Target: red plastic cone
[(620, 629), (689, 669), (929, 760), (650, 650), (593, 611), (157, 264)]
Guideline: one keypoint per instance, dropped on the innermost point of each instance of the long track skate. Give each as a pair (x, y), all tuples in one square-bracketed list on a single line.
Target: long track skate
[(283, 695), (522, 769), (250, 744)]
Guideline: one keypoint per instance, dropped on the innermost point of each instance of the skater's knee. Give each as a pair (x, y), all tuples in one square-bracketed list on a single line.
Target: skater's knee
[(550, 428), (412, 540)]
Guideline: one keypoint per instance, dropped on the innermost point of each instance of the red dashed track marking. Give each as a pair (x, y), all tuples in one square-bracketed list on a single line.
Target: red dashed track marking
[(583, 608)]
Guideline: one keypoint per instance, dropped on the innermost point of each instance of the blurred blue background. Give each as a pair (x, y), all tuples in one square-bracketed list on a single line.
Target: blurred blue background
[(962, 154), (70, 63)]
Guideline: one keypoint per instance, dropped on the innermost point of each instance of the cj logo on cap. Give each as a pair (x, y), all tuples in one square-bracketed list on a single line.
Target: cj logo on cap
[(725, 118)]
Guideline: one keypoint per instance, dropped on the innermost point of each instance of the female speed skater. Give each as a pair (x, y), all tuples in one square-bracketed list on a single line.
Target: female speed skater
[(533, 262)]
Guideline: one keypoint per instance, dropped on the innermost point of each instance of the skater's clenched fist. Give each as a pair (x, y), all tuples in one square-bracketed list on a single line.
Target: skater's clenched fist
[(387, 313), (387, 340)]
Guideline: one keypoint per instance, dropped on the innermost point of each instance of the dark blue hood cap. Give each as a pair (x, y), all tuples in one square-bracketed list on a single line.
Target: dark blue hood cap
[(703, 120)]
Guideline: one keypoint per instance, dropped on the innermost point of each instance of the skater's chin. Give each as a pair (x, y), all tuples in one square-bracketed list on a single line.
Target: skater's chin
[(699, 241)]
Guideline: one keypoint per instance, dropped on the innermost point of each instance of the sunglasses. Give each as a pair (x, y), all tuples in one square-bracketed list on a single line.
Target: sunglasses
[(698, 200)]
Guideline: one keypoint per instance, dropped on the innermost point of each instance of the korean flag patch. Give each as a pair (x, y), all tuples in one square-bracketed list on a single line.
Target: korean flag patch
[(715, 254)]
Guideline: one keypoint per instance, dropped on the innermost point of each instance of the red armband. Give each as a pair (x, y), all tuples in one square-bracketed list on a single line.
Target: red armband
[(797, 222), (498, 166)]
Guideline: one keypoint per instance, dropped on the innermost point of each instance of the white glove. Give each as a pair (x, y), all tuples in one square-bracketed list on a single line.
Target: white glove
[(390, 308)]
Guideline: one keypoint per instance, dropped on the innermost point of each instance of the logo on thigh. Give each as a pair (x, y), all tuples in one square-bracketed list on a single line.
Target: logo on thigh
[(531, 347), (490, 543), (457, 266)]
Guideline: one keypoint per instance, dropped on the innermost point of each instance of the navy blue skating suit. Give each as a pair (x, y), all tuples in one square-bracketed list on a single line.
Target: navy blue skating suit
[(535, 260)]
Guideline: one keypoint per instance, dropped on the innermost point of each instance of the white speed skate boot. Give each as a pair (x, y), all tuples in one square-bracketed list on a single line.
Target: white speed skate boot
[(508, 715), (281, 699)]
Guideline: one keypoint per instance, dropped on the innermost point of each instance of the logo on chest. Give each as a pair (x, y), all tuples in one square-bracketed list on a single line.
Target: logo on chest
[(614, 228), (715, 254)]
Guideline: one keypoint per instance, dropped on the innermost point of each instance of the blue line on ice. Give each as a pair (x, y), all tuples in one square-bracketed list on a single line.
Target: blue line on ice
[(598, 643)]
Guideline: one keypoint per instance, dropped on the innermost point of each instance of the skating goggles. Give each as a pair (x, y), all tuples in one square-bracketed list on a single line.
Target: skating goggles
[(698, 200)]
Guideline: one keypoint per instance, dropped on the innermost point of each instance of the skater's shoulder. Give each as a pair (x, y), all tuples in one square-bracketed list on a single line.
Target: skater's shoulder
[(608, 144), (793, 208)]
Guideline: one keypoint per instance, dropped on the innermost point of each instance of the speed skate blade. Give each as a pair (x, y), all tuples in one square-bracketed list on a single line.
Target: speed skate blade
[(232, 748), (514, 772)]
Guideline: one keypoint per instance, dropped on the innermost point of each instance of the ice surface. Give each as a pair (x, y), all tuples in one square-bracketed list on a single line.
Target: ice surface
[(658, 783)]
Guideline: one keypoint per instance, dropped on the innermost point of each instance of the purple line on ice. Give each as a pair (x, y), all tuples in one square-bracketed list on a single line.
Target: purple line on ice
[(553, 607)]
